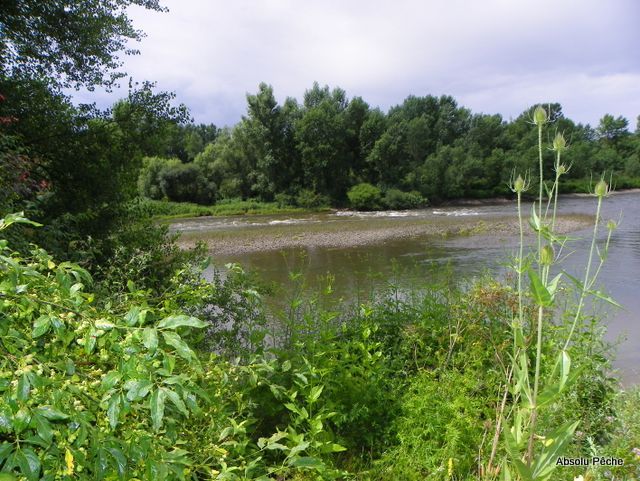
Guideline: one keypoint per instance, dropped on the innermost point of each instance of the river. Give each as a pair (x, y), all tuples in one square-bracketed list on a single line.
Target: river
[(326, 246)]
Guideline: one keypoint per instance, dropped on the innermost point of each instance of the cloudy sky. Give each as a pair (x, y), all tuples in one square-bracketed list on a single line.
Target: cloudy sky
[(491, 55)]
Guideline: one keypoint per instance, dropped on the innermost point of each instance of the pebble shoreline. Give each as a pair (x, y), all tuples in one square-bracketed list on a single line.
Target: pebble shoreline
[(361, 235)]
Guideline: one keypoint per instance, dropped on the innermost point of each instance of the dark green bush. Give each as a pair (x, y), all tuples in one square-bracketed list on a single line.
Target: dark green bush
[(396, 199), (311, 200), (186, 183)]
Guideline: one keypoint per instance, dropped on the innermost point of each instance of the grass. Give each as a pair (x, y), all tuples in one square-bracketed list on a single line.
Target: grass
[(166, 210)]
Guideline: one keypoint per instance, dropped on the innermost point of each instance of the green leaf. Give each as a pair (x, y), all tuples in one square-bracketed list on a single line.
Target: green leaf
[(315, 393), (604, 297), (51, 413), (5, 450), (181, 347), (6, 418), (577, 282), (511, 447), (172, 322), (156, 404), (7, 477), (24, 388), (299, 448), (21, 420), (558, 441), (29, 463), (157, 470), (278, 446), (293, 407), (540, 294), (16, 218), (137, 389), (150, 338), (111, 379), (176, 401), (134, 313), (90, 340), (553, 285), (113, 411), (506, 472), (104, 325), (534, 221), (307, 462), (120, 459), (41, 326), (336, 448), (43, 428)]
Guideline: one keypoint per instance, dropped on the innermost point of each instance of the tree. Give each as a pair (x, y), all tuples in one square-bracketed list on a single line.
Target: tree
[(612, 129), (323, 142), (72, 43)]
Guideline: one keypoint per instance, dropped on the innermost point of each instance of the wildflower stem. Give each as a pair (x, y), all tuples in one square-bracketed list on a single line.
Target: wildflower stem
[(556, 187), (586, 283), (540, 194), (536, 381), (520, 268)]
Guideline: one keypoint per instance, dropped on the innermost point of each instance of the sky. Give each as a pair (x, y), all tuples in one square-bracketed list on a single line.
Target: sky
[(492, 56)]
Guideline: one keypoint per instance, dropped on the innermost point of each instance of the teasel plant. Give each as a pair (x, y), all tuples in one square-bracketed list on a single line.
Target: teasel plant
[(531, 451)]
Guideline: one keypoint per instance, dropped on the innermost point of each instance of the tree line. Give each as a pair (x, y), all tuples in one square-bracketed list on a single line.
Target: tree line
[(315, 151)]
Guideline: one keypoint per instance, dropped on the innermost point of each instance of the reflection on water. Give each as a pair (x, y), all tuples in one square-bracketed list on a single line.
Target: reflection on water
[(360, 270)]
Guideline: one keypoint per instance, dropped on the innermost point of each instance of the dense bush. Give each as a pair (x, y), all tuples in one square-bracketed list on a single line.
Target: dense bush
[(396, 199), (364, 197), (170, 179), (311, 200), (186, 183)]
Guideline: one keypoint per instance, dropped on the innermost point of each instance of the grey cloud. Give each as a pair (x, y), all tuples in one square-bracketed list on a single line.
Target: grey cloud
[(493, 56)]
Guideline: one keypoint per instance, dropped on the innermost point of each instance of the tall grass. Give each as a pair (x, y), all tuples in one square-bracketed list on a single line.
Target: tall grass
[(162, 209)]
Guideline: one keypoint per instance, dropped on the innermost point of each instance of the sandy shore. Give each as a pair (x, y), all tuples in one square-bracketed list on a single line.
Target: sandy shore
[(344, 235)]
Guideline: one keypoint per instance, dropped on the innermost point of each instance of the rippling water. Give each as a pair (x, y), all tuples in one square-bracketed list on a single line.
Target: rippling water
[(359, 270)]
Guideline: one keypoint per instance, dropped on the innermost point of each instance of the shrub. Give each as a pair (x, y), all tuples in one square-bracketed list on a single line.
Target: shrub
[(98, 392), (441, 426), (284, 200), (186, 183), (396, 199), (311, 200), (364, 197)]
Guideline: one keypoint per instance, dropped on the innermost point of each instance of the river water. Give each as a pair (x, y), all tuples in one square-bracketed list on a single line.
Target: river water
[(359, 271)]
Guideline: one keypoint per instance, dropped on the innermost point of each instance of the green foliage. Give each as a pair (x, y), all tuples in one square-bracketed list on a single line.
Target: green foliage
[(185, 183), (90, 392), (396, 199), (170, 210), (72, 43), (309, 199), (445, 417), (149, 178), (625, 438), (364, 197)]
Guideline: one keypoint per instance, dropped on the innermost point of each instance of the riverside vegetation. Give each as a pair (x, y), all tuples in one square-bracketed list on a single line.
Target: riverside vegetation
[(119, 361)]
